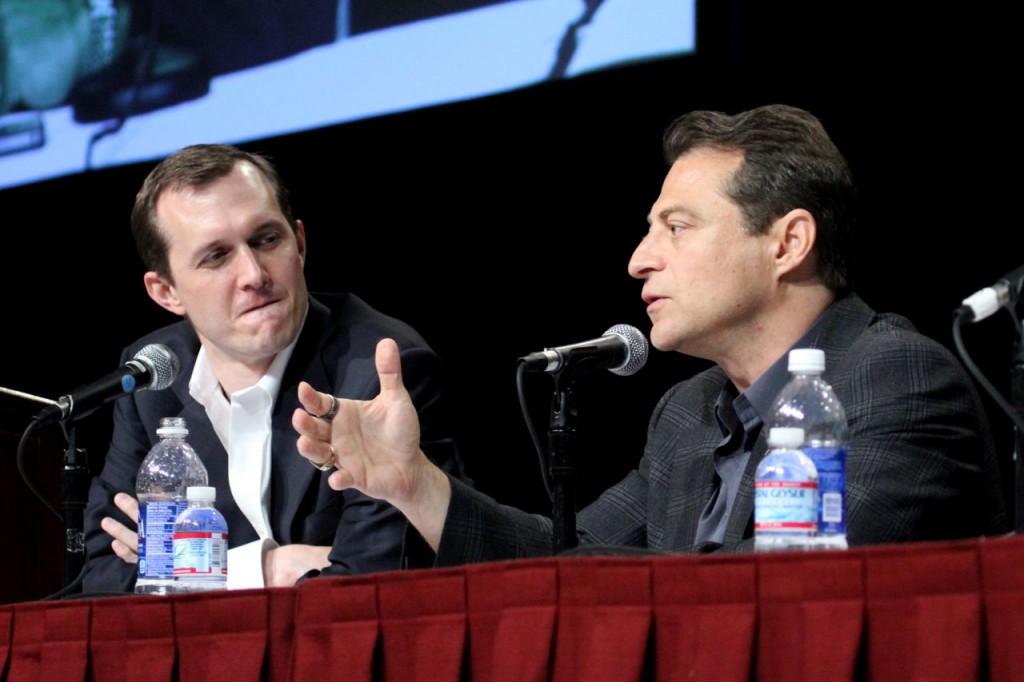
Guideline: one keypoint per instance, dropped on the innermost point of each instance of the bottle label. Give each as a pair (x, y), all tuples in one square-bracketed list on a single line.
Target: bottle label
[(785, 506), (831, 465), (156, 538), (201, 553)]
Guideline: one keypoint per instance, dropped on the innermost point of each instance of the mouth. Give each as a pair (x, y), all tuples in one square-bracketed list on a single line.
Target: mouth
[(259, 305), (651, 299)]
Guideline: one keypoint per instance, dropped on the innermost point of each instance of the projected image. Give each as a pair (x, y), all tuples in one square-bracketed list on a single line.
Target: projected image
[(87, 84)]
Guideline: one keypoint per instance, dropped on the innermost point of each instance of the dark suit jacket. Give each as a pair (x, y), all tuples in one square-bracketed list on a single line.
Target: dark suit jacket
[(921, 464), (335, 353)]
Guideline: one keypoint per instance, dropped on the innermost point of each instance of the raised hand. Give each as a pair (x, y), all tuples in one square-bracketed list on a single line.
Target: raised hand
[(375, 445)]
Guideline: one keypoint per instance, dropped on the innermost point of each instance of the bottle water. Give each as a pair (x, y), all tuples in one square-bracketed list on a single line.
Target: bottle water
[(161, 485), (201, 544), (785, 494), (808, 402)]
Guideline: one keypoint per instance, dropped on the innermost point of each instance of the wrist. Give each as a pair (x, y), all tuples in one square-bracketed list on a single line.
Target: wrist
[(427, 508)]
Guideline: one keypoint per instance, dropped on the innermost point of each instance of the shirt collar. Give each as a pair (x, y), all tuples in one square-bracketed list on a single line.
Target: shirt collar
[(754, 405), (763, 392)]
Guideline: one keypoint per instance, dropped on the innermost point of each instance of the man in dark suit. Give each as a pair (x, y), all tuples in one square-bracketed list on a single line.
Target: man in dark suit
[(214, 227), (744, 259)]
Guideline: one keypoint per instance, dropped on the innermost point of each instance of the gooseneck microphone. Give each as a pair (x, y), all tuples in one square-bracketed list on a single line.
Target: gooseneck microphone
[(154, 367), (621, 350), (987, 301)]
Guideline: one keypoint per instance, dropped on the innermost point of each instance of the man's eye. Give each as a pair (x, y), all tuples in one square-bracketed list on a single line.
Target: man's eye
[(213, 259), (270, 239)]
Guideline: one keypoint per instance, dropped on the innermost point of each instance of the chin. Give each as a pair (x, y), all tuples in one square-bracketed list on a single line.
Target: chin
[(666, 343), (266, 342), (657, 340)]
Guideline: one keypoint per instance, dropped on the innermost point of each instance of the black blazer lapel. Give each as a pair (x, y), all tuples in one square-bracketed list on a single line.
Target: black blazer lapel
[(291, 475)]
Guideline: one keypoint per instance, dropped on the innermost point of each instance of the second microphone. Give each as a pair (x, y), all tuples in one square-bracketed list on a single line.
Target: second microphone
[(621, 350)]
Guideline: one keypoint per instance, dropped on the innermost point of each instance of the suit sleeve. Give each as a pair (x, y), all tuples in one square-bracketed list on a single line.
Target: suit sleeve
[(478, 528)]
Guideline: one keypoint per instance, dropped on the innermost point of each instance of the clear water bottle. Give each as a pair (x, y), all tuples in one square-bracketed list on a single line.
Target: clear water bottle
[(785, 494), (808, 402), (201, 544), (165, 475)]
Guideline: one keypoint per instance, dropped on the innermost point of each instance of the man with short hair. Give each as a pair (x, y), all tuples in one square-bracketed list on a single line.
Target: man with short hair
[(214, 227), (744, 259)]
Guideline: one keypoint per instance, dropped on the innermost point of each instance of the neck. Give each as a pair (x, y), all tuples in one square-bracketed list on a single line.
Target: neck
[(774, 334), (233, 375)]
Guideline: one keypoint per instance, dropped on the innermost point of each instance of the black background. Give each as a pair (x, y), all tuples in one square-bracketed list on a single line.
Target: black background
[(503, 225)]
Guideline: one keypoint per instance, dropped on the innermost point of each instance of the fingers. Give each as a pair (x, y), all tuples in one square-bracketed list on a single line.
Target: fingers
[(313, 401), (125, 541), (124, 552), (284, 565), (128, 504), (305, 421), (314, 441), (340, 480), (316, 450)]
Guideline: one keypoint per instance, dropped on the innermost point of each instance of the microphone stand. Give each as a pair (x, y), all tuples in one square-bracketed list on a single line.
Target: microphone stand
[(1017, 400), (74, 493), (561, 468), (75, 480)]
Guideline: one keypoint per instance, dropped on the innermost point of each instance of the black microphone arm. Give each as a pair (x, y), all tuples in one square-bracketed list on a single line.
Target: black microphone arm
[(154, 367)]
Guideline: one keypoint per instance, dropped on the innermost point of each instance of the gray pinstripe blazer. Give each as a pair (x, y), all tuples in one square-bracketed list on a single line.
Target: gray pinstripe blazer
[(921, 464)]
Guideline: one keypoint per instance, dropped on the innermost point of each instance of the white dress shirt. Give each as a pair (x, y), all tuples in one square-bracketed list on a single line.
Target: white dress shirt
[(243, 425)]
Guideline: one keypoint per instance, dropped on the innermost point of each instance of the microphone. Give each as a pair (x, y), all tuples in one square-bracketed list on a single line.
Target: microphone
[(154, 367), (622, 350), (987, 301)]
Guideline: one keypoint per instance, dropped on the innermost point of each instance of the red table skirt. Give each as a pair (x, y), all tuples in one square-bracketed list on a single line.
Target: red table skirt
[(923, 611)]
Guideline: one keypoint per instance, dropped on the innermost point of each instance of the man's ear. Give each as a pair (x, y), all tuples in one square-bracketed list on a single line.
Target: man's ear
[(300, 239), (163, 292), (796, 234)]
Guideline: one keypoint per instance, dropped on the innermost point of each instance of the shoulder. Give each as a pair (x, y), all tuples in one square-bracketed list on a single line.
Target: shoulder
[(887, 355), (350, 317), (692, 400), (136, 415), (340, 341), (179, 337)]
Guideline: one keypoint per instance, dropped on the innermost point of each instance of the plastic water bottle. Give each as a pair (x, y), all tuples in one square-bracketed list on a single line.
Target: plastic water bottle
[(165, 475), (201, 544), (785, 494), (808, 402)]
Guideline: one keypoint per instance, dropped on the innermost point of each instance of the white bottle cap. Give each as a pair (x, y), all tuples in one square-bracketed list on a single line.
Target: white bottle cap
[(781, 437), (201, 493), (807, 360), (172, 426)]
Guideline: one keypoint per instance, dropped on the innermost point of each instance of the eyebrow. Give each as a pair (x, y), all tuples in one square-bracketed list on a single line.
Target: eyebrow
[(666, 212), (261, 228)]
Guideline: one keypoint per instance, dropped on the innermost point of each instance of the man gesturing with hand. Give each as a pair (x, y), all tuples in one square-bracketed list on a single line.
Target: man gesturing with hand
[(744, 258)]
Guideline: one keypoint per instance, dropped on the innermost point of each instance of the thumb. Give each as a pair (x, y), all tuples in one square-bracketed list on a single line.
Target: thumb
[(389, 366)]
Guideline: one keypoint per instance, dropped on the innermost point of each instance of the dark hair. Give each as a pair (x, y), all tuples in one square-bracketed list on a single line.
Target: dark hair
[(193, 166), (789, 162)]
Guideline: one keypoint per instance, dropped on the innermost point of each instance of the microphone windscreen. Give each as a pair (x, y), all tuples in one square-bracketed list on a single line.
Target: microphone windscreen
[(636, 349), (163, 365)]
